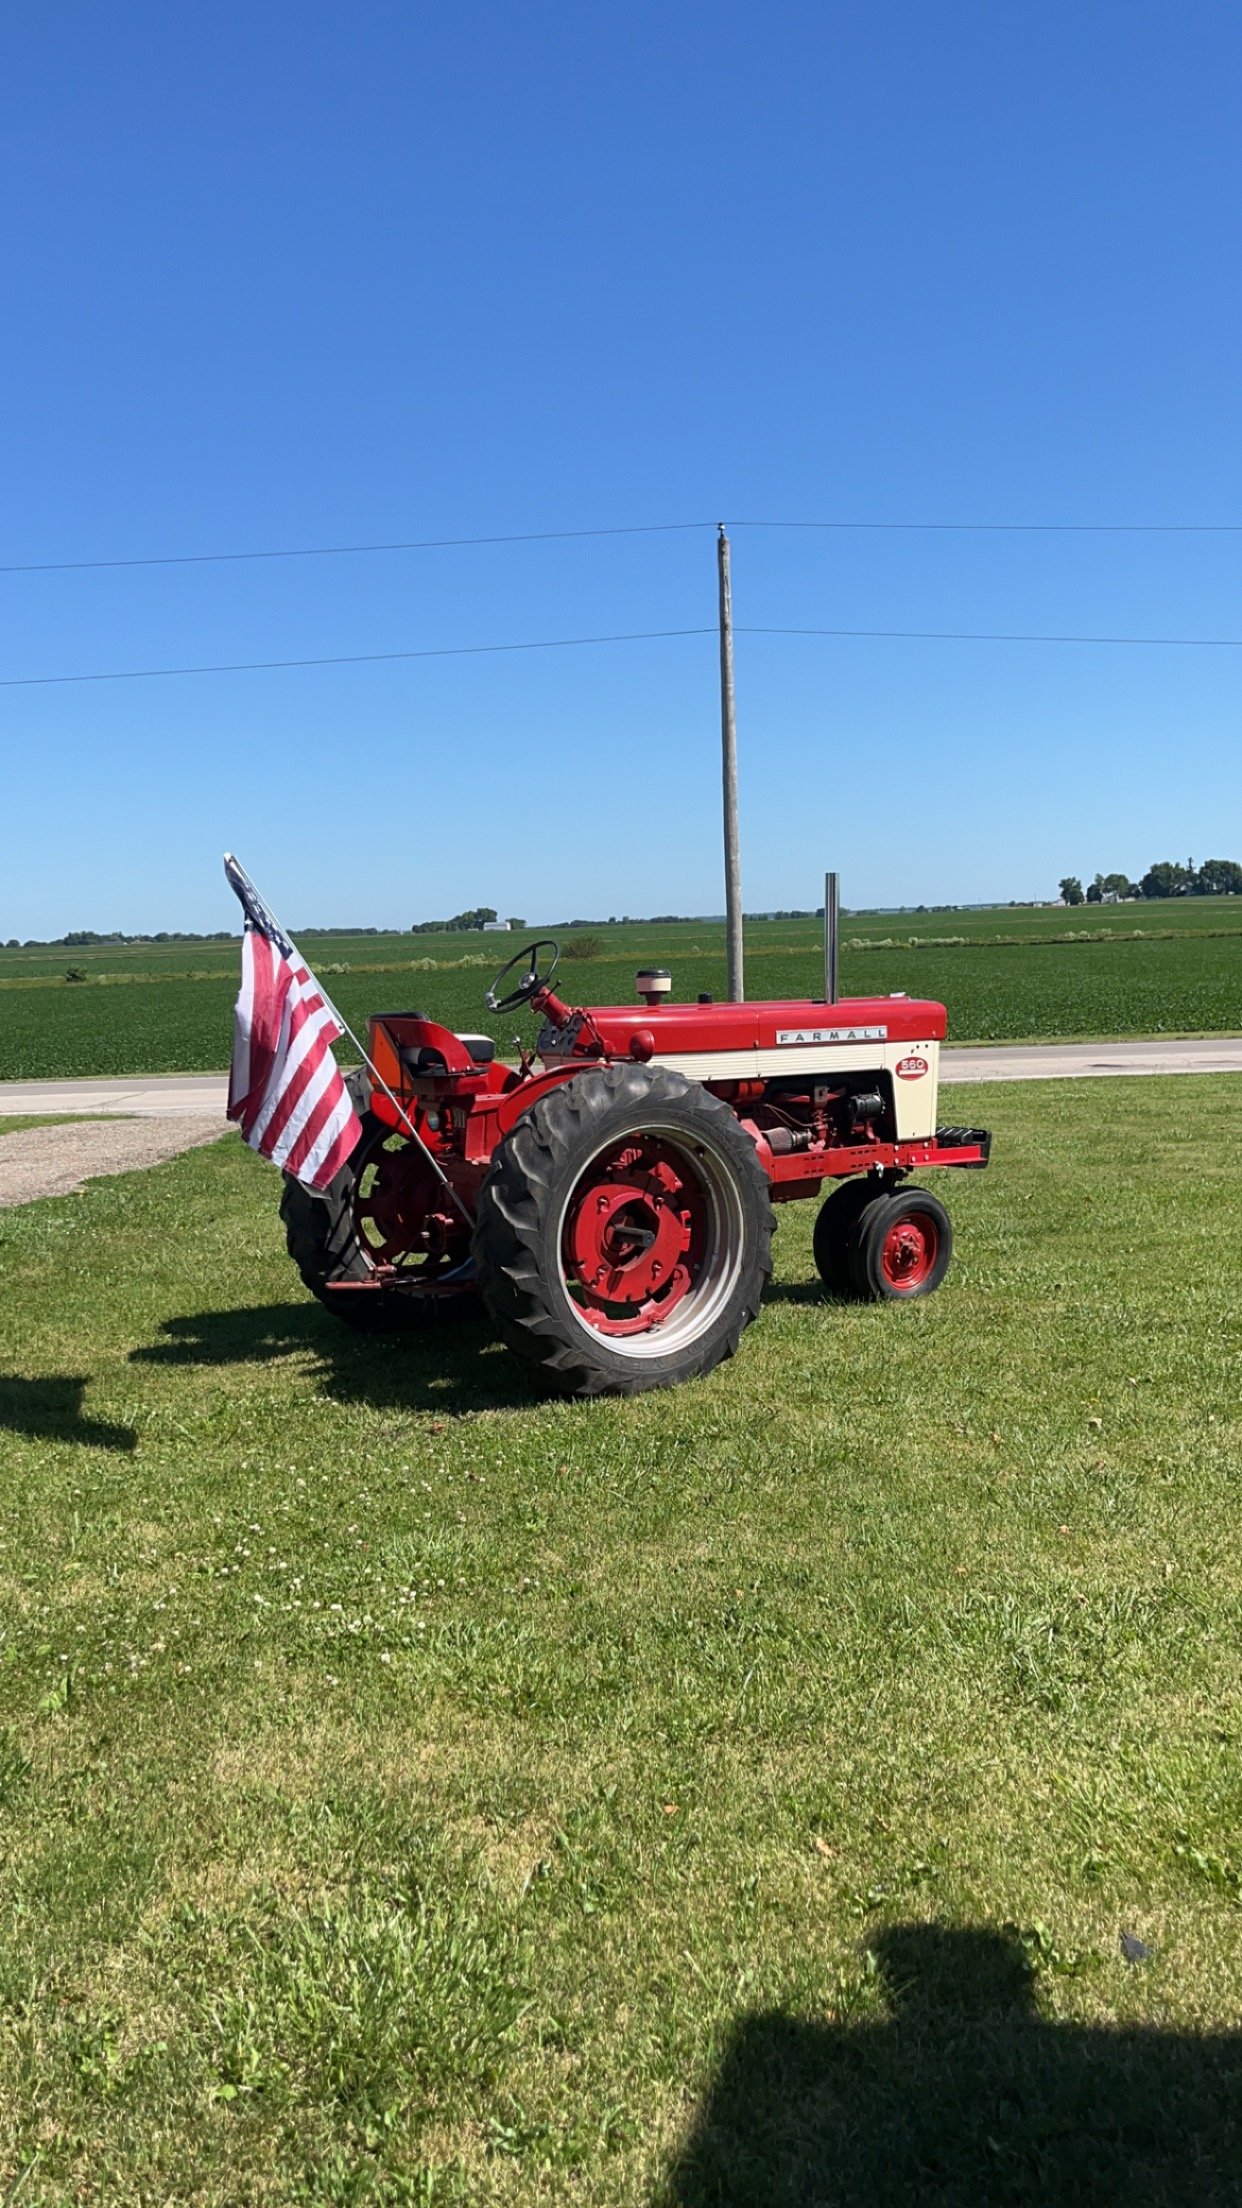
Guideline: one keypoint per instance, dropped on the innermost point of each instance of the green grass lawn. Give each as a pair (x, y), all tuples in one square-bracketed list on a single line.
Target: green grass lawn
[(416, 1790)]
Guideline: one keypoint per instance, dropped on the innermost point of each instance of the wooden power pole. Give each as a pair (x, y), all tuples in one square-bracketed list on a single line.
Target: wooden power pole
[(728, 741)]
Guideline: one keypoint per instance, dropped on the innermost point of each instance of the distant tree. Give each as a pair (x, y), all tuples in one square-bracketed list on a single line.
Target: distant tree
[(1218, 878), (1071, 890), (1167, 878), (459, 921), (516, 923), (1095, 891), (1118, 885)]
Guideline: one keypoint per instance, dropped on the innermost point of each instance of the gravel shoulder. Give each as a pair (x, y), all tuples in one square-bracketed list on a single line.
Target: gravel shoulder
[(53, 1160)]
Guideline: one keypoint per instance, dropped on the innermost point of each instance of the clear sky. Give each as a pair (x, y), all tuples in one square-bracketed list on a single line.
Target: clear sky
[(321, 274)]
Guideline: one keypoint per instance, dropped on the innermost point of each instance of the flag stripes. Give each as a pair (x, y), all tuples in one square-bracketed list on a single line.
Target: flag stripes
[(285, 1088)]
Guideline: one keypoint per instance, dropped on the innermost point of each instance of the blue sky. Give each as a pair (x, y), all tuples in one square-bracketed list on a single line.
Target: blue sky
[(304, 275)]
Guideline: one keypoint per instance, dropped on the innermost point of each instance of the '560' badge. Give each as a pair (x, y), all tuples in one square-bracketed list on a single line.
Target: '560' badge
[(912, 1068)]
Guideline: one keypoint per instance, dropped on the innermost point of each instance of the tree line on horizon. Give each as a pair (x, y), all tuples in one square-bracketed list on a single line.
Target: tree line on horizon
[(1167, 878)]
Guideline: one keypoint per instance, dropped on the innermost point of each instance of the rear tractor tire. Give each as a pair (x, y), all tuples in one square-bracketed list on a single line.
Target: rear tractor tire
[(363, 1218), (624, 1232)]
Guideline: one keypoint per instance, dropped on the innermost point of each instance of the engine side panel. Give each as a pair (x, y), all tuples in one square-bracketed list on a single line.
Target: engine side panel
[(912, 1070)]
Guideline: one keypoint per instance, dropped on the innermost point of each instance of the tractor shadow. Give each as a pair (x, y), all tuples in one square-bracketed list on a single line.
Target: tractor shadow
[(455, 1367), (965, 2095), (50, 1409), (806, 1292)]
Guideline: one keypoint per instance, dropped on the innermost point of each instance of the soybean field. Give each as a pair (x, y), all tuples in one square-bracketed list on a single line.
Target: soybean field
[(1009, 974)]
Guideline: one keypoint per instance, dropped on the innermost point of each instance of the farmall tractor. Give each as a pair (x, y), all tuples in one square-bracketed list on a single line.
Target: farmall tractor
[(610, 1198)]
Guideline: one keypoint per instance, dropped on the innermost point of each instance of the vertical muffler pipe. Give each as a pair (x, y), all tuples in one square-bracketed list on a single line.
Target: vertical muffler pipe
[(832, 936)]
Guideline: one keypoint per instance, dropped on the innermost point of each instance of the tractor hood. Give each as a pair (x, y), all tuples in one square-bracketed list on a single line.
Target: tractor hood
[(686, 1029)]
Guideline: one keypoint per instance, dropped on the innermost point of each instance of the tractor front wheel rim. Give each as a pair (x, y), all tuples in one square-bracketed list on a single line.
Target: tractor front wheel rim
[(909, 1252), (650, 1240)]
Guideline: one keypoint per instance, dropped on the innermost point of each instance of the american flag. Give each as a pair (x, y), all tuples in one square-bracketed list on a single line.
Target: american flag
[(285, 1089)]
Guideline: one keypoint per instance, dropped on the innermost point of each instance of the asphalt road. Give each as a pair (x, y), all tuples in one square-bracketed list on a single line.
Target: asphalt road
[(195, 1095)]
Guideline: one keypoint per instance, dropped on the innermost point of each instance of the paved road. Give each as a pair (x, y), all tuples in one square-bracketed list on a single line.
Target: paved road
[(197, 1094), (1085, 1061), (166, 1096)]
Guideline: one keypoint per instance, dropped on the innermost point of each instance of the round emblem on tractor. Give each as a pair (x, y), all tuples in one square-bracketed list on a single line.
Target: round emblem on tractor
[(912, 1068)]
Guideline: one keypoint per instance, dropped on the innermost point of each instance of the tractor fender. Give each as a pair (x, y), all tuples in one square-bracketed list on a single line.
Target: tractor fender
[(509, 1107)]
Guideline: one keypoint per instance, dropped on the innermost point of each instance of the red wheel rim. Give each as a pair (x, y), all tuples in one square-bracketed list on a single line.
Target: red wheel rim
[(635, 1234), (909, 1252), (403, 1220)]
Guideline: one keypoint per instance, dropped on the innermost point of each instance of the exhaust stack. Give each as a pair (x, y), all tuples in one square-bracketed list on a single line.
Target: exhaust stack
[(832, 936)]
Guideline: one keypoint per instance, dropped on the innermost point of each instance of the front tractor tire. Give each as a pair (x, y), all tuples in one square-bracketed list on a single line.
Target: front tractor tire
[(624, 1232), (836, 1226), (900, 1247), (364, 1217)]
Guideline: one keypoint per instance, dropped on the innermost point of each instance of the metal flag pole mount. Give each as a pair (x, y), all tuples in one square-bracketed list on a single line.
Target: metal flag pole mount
[(248, 896)]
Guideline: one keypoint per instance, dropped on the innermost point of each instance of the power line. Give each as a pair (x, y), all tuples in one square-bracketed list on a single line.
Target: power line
[(345, 659), (334, 551), (635, 529), (629, 636), (996, 636), (1023, 528)]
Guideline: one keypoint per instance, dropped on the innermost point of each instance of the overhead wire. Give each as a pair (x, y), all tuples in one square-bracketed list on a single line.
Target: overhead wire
[(629, 529), (336, 551), (349, 659), (1024, 528), (627, 636), (993, 636), (547, 536)]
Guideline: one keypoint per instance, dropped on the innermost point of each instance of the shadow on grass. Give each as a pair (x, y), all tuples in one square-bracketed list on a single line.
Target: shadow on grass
[(454, 1365), (965, 2095), (50, 1409), (804, 1291)]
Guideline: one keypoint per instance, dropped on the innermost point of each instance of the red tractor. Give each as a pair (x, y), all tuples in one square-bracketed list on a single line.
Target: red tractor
[(611, 1203)]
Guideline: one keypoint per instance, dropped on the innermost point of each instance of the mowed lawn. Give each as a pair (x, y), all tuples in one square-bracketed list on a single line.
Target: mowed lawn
[(413, 1789)]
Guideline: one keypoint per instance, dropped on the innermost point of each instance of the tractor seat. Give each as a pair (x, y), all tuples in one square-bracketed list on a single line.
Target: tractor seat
[(421, 1058)]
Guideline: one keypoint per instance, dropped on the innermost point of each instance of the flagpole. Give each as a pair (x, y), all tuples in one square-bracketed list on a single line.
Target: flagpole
[(234, 868)]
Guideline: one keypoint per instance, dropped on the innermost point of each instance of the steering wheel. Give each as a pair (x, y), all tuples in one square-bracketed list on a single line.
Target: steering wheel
[(532, 980)]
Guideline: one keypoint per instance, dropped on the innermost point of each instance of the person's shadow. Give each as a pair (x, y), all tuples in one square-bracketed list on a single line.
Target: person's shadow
[(965, 2096), (50, 1409)]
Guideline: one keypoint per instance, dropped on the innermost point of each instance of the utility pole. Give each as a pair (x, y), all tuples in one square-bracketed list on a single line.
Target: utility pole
[(728, 742)]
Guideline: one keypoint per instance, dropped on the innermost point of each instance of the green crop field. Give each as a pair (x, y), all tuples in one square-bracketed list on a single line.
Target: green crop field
[(416, 1790), (1005, 975)]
